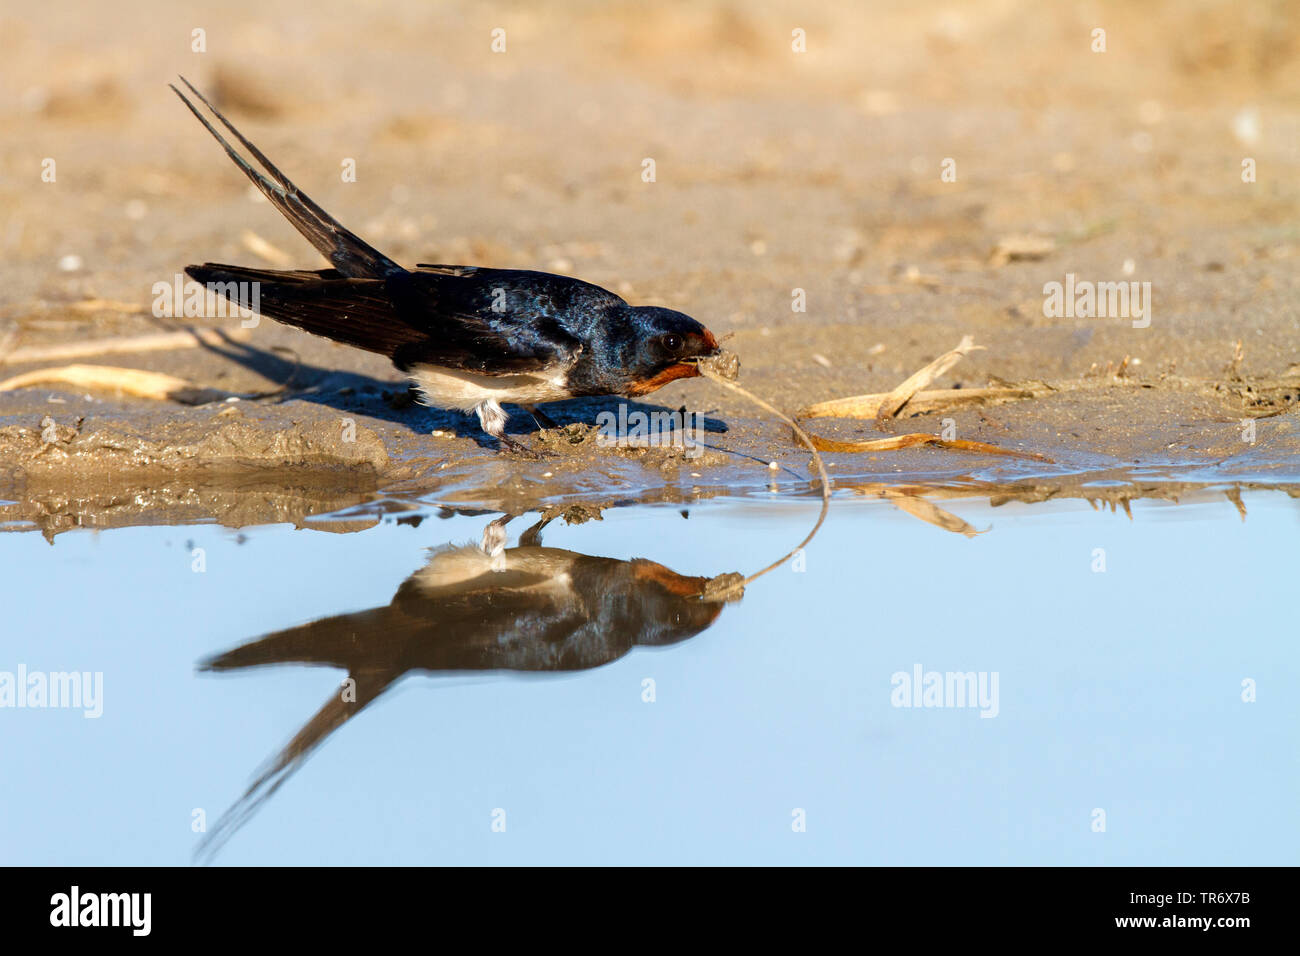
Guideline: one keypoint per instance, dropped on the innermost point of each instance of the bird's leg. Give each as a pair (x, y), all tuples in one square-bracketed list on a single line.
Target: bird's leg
[(493, 419), (532, 538), (494, 542), (494, 535), (519, 448), (542, 419)]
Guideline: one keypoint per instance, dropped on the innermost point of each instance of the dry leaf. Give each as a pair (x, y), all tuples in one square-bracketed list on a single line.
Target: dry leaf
[(933, 400), (129, 381), (1021, 248), (188, 338), (897, 442), (900, 396), (931, 513)]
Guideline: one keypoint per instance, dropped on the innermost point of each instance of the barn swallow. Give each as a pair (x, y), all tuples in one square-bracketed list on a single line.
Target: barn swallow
[(473, 608), (471, 338)]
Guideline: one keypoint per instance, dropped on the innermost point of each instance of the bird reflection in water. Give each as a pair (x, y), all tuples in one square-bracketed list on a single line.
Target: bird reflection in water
[(473, 608)]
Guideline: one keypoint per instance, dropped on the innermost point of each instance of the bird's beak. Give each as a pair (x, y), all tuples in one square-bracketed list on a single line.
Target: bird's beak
[(710, 343)]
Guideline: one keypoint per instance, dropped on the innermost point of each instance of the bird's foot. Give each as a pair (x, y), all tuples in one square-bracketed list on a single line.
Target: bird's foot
[(494, 539), (508, 444)]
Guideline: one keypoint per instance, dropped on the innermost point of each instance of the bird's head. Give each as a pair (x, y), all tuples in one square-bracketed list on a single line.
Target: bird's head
[(668, 345), (667, 605)]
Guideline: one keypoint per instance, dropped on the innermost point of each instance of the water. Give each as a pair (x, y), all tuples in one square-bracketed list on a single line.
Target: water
[(759, 731)]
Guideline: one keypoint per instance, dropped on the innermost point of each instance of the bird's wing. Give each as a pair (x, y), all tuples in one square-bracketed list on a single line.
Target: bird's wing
[(490, 321), (344, 249), (412, 322), (356, 312), (336, 711)]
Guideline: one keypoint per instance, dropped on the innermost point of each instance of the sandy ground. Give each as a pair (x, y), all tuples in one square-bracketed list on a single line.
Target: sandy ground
[(775, 171)]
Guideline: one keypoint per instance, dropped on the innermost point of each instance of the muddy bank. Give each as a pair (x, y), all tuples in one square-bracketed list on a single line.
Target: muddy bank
[(322, 502), (841, 216), (372, 436)]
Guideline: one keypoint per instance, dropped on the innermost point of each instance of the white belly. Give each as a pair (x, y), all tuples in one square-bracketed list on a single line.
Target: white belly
[(466, 391)]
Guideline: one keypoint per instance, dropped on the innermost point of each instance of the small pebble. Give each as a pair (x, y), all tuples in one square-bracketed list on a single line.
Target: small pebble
[(1246, 126)]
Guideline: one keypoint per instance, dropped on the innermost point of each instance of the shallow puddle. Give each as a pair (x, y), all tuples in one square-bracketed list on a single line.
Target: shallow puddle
[(1067, 686)]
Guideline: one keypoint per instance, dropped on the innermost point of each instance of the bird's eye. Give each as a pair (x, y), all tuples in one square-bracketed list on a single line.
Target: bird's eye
[(672, 342)]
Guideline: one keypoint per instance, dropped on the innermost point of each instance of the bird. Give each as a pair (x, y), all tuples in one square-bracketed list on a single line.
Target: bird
[(476, 607), (471, 338)]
